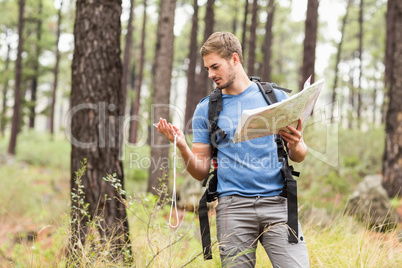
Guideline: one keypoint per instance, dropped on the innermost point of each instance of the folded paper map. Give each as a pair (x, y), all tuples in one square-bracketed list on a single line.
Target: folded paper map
[(269, 120)]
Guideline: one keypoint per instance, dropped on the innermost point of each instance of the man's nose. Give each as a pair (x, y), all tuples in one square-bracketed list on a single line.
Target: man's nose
[(211, 74)]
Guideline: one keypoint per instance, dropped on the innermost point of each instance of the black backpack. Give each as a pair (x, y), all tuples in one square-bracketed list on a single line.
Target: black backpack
[(211, 182)]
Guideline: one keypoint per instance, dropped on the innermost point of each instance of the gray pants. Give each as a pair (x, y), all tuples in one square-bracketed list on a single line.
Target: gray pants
[(243, 221)]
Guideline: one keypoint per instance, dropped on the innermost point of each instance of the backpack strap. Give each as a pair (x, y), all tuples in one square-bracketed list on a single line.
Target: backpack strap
[(290, 184), (211, 181)]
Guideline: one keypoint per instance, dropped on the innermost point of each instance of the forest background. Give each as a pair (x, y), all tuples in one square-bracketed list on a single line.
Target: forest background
[(135, 55)]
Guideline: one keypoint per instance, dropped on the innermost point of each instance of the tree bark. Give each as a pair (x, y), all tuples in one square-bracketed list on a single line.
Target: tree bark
[(390, 39), (3, 118), (18, 73), (97, 102), (127, 53), (138, 81), (204, 84), (310, 42), (34, 86), (191, 99), (338, 56), (55, 70), (267, 46), (243, 36), (252, 40), (359, 90), (392, 168), (162, 83)]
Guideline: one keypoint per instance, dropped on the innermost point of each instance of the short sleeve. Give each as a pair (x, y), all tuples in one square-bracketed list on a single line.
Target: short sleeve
[(200, 123)]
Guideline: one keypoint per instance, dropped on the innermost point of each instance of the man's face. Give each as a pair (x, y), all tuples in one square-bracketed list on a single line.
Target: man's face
[(221, 71)]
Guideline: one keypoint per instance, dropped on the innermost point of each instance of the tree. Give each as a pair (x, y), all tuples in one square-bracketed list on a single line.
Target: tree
[(252, 40), (338, 56), (56, 70), (360, 50), (267, 46), (389, 41), (97, 105), (191, 97), (204, 85), (162, 84), (138, 82), (34, 86), (392, 167), (243, 36), (6, 77), (18, 73), (127, 54), (310, 41)]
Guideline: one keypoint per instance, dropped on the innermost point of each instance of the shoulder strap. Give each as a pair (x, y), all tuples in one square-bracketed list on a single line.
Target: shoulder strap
[(215, 107)]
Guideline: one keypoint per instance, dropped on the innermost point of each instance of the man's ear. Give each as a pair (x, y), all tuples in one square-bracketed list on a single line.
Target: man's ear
[(236, 59)]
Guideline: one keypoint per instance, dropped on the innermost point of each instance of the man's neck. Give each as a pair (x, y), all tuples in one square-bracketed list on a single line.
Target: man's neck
[(239, 85)]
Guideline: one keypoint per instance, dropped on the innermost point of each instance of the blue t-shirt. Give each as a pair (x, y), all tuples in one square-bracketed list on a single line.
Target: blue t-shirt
[(248, 168)]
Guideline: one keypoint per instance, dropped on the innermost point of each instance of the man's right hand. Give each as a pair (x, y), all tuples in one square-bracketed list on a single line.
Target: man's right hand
[(170, 131)]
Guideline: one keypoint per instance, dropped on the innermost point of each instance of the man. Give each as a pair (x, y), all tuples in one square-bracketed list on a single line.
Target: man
[(250, 208)]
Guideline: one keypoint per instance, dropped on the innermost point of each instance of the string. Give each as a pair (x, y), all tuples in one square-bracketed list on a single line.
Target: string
[(174, 202)]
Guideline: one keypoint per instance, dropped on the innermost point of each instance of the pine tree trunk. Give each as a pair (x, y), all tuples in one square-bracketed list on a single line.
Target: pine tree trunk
[(138, 81), (243, 36), (55, 71), (392, 168), (359, 90), (267, 47), (34, 86), (252, 40), (162, 83), (390, 40), (191, 97), (127, 53), (204, 84), (18, 73), (338, 57), (310, 42), (97, 102), (3, 117)]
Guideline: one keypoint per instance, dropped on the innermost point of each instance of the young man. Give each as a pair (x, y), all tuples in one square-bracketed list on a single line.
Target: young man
[(250, 208)]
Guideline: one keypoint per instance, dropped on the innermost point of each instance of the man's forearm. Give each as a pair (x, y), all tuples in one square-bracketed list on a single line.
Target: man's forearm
[(198, 167)]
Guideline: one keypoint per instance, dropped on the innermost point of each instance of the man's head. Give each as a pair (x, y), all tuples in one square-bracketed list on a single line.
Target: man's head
[(222, 58), (223, 44)]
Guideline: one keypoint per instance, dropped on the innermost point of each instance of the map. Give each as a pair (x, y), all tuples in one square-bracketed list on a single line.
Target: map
[(270, 120)]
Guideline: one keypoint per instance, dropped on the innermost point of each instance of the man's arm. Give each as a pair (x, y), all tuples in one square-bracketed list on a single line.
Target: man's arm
[(196, 160), (297, 147)]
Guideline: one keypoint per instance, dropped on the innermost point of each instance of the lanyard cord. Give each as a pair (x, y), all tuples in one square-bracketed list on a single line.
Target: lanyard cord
[(174, 201)]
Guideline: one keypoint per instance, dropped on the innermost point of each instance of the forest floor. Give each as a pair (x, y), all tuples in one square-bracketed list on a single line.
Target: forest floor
[(35, 200)]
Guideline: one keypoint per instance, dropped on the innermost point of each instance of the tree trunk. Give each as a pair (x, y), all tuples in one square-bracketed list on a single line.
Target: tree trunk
[(55, 71), (310, 42), (3, 118), (267, 46), (97, 109), (392, 168), (127, 54), (243, 36), (359, 89), (204, 84), (138, 81), (162, 82), (34, 86), (234, 20), (390, 39), (338, 56), (191, 98), (18, 73), (252, 40)]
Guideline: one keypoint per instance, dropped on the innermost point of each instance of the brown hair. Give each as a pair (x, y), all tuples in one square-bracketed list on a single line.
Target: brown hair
[(224, 44)]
